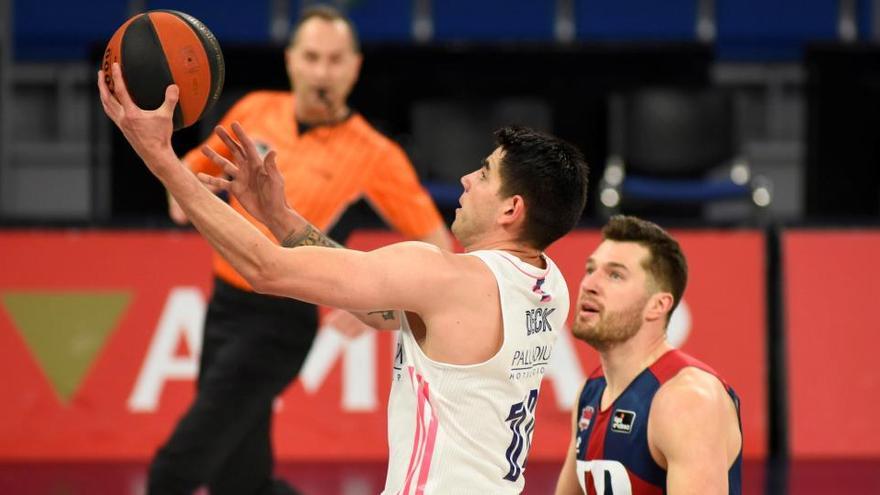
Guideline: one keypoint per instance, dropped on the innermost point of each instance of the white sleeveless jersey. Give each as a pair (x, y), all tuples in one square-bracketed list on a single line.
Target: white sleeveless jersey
[(467, 429)]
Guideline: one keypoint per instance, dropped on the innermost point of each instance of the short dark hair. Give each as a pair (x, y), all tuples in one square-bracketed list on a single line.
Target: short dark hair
[(330, 14), (666, 263), (551, 176)]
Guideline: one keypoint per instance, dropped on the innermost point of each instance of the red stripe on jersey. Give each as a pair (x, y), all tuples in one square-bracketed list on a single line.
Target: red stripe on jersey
[(588, 482), (596, 445), (669, 364)]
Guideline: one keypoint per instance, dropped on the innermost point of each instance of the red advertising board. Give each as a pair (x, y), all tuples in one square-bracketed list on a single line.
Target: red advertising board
[(832, 287), (99, 336)]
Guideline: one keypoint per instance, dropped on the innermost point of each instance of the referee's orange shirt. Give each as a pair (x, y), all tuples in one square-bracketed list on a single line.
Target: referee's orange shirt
[(325, 170)]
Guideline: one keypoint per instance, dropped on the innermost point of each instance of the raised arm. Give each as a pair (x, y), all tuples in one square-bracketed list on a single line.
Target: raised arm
[(694, 430), (258, 185), (391, 277), (305, 234)]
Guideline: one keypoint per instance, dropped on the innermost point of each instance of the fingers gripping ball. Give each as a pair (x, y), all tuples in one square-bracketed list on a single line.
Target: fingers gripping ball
[(163, 47)]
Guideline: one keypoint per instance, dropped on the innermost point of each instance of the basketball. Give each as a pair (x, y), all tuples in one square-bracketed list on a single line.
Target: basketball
[(162, 47)]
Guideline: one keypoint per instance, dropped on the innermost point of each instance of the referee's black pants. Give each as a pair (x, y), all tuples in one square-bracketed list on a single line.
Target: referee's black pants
[(253, 346)]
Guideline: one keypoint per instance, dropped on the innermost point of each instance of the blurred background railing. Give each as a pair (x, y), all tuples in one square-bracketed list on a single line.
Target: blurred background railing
[(438, 75)]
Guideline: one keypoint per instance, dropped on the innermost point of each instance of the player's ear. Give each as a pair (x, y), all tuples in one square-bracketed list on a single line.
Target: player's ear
[(659, 305), (514, 210)]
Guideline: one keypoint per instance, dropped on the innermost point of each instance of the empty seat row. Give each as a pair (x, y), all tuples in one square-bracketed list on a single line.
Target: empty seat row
[(744, 29)]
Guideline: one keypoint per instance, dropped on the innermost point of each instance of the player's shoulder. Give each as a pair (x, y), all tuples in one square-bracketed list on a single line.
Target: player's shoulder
[(419, 247), (443, 268), (418, 252), (429, 250), (691, 391), (692, 406)]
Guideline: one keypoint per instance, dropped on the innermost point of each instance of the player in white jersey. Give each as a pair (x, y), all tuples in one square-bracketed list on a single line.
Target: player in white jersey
[(460, 416), (470, 426)]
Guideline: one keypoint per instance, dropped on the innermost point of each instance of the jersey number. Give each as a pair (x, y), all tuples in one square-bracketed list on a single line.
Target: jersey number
[(607, 477), (521, 413)]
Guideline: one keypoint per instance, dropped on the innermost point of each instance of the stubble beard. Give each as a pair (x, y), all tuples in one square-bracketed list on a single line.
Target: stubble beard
[(613, 328)]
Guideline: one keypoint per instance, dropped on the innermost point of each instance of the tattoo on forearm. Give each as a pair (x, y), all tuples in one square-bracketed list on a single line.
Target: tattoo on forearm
[(309, 236), (387, 314)]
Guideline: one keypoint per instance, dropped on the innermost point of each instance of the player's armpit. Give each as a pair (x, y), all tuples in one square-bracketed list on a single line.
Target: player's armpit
[(693, 431), (351, 325)]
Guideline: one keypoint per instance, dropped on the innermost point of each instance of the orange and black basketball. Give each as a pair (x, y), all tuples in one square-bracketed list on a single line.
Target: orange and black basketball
[(163, 47)]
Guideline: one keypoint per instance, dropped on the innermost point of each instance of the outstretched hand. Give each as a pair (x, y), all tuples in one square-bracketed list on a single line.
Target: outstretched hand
[(148, 131), (255, 181)]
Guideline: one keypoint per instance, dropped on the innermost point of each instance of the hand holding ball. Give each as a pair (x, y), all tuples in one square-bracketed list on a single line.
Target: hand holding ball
[(163, 47)]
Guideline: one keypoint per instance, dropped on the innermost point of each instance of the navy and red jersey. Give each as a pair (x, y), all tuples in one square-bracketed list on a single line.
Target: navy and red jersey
[(612, 445)]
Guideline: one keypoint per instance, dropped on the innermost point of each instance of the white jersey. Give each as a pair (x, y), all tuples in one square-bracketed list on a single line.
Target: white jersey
[(467, 429)]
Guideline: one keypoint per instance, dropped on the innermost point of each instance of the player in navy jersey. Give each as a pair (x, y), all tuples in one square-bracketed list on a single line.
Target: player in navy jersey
[(651, 419)]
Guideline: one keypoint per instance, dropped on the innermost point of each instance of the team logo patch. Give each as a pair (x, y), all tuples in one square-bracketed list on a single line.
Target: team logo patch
[(586, 417), (622, 421)]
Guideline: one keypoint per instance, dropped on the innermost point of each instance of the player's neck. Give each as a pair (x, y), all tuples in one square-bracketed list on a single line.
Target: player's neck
[(622, 363), (530, 256), (526, 254)]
